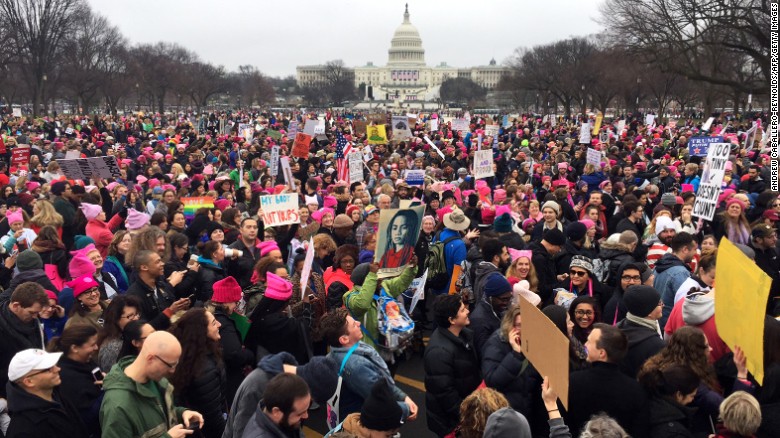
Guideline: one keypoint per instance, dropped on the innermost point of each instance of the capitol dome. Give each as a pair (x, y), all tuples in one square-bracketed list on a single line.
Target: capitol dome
[(406, 46)]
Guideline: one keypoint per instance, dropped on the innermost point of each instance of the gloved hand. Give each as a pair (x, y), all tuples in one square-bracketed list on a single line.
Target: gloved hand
[(273, 364)]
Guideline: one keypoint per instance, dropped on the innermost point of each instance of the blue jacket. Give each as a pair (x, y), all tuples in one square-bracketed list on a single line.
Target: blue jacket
[(363, 368), (454, 252), (593, 180), (670, 273)]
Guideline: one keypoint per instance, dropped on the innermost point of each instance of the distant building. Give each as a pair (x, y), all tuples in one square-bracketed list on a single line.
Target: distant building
[(406, 77)]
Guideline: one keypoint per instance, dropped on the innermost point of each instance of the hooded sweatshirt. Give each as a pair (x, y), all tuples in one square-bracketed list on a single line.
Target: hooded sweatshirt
[(507, 422), (697, 310)]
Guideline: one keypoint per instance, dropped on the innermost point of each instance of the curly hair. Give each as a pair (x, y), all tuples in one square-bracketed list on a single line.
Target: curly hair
[(147, 240), (191, 330), (475, 410), (687, 346)]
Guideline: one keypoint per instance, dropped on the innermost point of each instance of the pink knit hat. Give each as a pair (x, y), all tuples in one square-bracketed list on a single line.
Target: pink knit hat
[(329, 202), (588, 223), (136, 220), (277, 288), (499, 195), (81, 265), (91, 211), (31, 185), (222, 204), (14, 216), (226, 290), (267, 246), (81, 284)]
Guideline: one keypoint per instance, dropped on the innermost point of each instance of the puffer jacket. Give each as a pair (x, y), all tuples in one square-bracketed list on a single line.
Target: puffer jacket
[(511, 374), (668, 419), (78, 387), (205, 394), (452, 372), (484, 322), (208, 274)]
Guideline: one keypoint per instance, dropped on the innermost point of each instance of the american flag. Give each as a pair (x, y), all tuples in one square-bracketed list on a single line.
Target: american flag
[(343, 148)]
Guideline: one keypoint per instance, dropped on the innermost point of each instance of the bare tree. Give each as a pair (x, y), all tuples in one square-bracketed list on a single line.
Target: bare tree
[(202, 80), (251, 84), (158, 68), (339, 82), (37, 30)]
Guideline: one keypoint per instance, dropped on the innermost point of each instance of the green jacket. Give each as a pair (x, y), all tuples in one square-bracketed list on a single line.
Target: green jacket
[(130, 409), (360, 301)]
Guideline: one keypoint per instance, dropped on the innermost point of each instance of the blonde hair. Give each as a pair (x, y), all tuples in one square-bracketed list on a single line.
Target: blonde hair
[(324, 241), (741, 413), (47, 215), (508, 321), (533, 280), (476, 408)]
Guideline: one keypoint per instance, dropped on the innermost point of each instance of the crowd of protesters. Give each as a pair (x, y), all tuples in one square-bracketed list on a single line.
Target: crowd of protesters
[(125, 315)]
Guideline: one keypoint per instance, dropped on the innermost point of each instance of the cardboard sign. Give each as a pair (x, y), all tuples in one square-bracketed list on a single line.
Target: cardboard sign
[(86, 168), (699, 146), (621, 126), (415, 177), (456, 270), (280, 209), (650, 119), (275, 161), (287, 172), (460, 125), (585, 133), (359, 127), (367, 154), (546, 348), (301, 145), (743, 291), (246, 130), (417, 288), (17, 112), (20, 155), (355, 167), (312, 127), (483, 164), (593, 157), (397, 237), (401, 129), (376, 134), (714, 169), (491, 131)]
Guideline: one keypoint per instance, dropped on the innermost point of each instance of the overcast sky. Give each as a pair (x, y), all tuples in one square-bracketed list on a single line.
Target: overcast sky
[(280, 35)]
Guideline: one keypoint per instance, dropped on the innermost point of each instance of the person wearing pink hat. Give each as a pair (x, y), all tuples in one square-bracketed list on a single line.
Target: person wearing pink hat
[(732, 222), (97, 228), (136, 221), (88, 307), (522, 268), (269, 248), (18, 236)]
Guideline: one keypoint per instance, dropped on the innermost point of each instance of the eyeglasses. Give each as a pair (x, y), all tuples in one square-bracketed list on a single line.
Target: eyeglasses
[(171, 366), (92, 291), (578, 273), (130, 316), (631, 278), (47, 370), (583, 312)]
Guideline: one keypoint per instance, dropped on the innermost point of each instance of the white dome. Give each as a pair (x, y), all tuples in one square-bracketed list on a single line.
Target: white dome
[(406, 46)]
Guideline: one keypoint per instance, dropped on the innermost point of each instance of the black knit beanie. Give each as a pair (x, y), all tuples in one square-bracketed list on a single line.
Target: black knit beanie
[(641, 300), (380, 411)]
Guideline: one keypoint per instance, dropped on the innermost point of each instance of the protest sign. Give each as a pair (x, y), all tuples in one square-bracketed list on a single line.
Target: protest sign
[(698, 146), (401, 129), (367, 154), (314, 127), (377, 119), (301, 145), (672, 124), (438, 151), (355, 167), (359, 127), (597, 125), (650, 119), (750, 136), (621, 126), (417, 287), (743, 291), (714, 169), (415, 177), (280, 209), (376, 134), (460, 125), (594, 158), (20, 155), (86, 168), (319, 128), (433, 124), (491, 131), (191, 205), (307, 262), (292, 129), (276, 135), (275, 161), (546, 348), (246, 130), (287, 172), (17, 112), (397, 237), (708, 124), (505, 122), (585, 133), (483, 164), (456, 270)]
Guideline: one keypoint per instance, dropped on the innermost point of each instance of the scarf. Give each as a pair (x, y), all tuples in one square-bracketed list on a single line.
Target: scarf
[(644, 322), (40, 245)]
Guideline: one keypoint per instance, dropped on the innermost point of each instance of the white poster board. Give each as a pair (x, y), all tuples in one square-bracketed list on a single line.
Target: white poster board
[(85, 168), (714, 170), (306, 271), (401, 129), (483, 164), (275, 161), (585, 133), (460, 125), (355, 167), (593, 157), (280, 209), (434, 124), (287, 172)]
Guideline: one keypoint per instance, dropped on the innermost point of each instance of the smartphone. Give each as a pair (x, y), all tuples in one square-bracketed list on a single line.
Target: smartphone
[(190, 297), (311, 296), (97, 374), (194, 425)]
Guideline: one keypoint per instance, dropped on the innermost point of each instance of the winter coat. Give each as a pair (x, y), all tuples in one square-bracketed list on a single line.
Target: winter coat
[(545, 270), (261, 426), (668, 419), (16, 336), (115, 266), (208, 274), (670, 273), (32, 416), (511, 374), (643, 342), (205, 394), (484, 322), (248, 395), (131, 409), (481, 272), (697, 311), (454, 253), (603, 388), (235, 356), (614, 256), (189, 284), (78, 387), (102, 232), (242, 268), (452, 372), (153, 308), (34, 275), (276, 332)]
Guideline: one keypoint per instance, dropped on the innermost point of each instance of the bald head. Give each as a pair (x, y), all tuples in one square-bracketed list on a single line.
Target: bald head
[(158, 358), (161, 343)]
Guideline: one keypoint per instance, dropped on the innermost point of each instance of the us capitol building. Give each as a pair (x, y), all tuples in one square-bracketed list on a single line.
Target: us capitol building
[(406, 77)]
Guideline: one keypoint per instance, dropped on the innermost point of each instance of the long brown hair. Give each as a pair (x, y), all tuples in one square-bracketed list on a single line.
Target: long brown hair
[(687, 346), (191, 330)]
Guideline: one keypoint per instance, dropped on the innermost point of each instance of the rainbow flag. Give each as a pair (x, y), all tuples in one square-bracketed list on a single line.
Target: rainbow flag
[(191, 205)]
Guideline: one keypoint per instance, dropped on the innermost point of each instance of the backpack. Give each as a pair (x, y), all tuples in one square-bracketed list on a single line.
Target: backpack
[(436, 264), (602, 271)]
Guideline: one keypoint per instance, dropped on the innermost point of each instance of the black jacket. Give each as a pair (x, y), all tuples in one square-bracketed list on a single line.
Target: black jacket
[(78, 387), (242, 268), (603, 388), (668, 419), (452, 372), (34, 275), (484, 322), (511, 374), (188, 284), (482, 270), (32, 416), (545, 270), (208, 275), (277, 332), (233, 353), (205, 394), (152, 307), (16, 336), (643, 342)]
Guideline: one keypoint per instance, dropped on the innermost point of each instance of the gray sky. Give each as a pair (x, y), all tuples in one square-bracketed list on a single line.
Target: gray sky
[(277, 38)]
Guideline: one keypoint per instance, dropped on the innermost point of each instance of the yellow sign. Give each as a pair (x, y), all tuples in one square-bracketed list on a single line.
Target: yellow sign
[(597, 125), (376, 134), (742, 290)]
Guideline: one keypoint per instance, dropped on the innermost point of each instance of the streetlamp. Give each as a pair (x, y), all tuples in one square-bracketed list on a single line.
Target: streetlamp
[(137, 98), (583, 100), (43, 93), (638, 84)]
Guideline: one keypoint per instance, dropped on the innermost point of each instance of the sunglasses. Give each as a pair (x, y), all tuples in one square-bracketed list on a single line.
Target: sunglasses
[(578, 273)]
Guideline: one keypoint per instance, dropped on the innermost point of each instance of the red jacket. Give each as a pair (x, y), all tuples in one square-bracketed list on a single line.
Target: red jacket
[(103, 233)]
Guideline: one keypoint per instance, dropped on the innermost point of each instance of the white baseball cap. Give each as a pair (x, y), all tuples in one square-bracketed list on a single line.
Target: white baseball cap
[(31, 359)]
